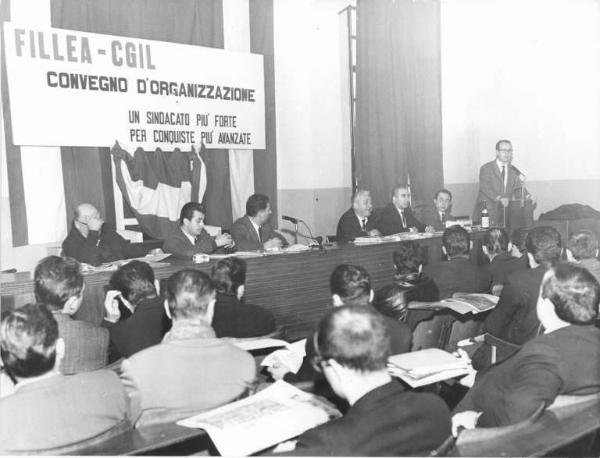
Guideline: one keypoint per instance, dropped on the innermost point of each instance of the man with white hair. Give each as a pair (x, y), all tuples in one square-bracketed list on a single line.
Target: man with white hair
[(357, 221)]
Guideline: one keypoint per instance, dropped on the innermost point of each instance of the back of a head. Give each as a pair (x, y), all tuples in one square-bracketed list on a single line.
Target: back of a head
[(356, 337), (189, 293), (228, 274), (407, 258), (187, 211), (543, 242), (135, 280), (519, 237), (496, 240), (456, 241), (28, 337), (351, 283), (392, 301), (574, 292), (583, 245), (256, 203), (56, 280)]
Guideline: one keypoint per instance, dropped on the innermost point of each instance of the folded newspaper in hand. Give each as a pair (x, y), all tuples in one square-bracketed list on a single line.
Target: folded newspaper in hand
[(274, 415), (463, 303), (291, 356)]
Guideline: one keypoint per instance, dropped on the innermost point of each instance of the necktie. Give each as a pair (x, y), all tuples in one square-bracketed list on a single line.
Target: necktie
[(259, 236), (504, 177), (442, 215), (403, 219), (363, 224)]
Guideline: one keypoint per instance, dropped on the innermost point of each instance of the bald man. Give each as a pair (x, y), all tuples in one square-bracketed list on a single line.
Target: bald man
[(93, 241), (357, 221)]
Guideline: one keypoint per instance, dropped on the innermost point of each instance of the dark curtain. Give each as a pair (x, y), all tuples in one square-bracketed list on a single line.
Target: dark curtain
[(195, 22), (262, 42), (398, 106)]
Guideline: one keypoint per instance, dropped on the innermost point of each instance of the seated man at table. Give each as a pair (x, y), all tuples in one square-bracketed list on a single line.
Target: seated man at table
[(458, 274), (357, 221), (384, 419), (253, 232), (47, 409), (437, 215), (190, 237), (582, 248), (497, 247), (191, 370), (58, 283), (93, 241), (135, 316), (232, 317), (397, 215), (563, 360)]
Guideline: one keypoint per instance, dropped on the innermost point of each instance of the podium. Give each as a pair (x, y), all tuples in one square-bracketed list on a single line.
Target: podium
[(518, 213)]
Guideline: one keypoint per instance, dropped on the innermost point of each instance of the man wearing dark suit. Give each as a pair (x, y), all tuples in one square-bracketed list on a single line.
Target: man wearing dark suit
[(47, 409), (232, 317), (190, 237), (58, 283), (564, 360), (357, 221), (497, 247), (498, 181), (191, 370), (514, 318), (457, 274), (253, 231), (397, 216), (384, 419), (437, 215), (93, 241), (135, 315)]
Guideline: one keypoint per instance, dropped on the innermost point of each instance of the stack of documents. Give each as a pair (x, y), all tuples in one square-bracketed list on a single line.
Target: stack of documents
[(423, 367)]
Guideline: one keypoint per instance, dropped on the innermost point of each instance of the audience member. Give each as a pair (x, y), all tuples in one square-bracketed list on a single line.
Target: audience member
[(582, 248), (253, 231), (514, 318), (93, 241), (58, 283), (190, 237), (497, 248), (47, 409), (458, 274), (232, 318), (437, 215), (352, 347), (564, 360), (191, 370), (358, 220), (397, 215), (518, 248), (135, 316)]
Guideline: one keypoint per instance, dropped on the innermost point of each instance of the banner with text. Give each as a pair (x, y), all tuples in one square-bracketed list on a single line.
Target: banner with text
[(71, 88)]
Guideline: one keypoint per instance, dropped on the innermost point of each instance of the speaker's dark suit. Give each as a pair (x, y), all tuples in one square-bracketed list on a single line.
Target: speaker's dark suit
[(349, 227), (390, 221), (566, 361), (386, 421), (246, 239)]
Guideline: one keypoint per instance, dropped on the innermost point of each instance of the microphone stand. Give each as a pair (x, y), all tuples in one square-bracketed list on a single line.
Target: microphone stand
[(296, 232)]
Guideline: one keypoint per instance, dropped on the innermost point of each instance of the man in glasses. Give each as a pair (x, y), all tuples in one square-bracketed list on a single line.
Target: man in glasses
[(353, 344)]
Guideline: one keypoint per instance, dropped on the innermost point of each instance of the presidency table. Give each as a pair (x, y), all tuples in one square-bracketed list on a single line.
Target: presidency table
[(294, 286)]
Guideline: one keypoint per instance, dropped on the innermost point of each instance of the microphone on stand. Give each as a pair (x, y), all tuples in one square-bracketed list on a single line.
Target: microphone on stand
[(518, 172), (291, 219), (295, 222)]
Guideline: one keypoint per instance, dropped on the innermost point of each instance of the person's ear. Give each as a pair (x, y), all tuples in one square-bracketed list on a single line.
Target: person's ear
[(60, 352), (371, 296), (167, 310), (337, 300), (240, 292)]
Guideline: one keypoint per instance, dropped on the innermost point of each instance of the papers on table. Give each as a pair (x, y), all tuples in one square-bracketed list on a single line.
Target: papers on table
[(258, 344), (428, 366), (273, 415), (464, 303), (393, 238), (290, 357), (153, 259)]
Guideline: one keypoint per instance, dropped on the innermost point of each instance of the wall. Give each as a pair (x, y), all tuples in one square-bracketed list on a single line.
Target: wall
[(527, 71), (313, 119)]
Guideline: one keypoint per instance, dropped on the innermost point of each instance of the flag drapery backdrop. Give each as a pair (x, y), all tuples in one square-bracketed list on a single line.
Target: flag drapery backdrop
[(398, 97), (84, 174)]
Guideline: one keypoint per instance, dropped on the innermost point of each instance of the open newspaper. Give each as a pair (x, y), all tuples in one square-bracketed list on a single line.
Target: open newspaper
[(276, 414), (423, 367), (463, 303)]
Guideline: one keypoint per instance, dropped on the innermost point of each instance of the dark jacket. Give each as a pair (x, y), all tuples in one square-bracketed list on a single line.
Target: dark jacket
[(246, 239), (387, 421), (458, 275), (566, 361), (514, 319), (233, 318), (101, 246), (146, 327), (390, 221), (502, 266), (180, 246), (431, 217), (349, 227)]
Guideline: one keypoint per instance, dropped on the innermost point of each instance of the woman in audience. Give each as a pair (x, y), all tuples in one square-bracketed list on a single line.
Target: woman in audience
[(135, 315), (233, 318)]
